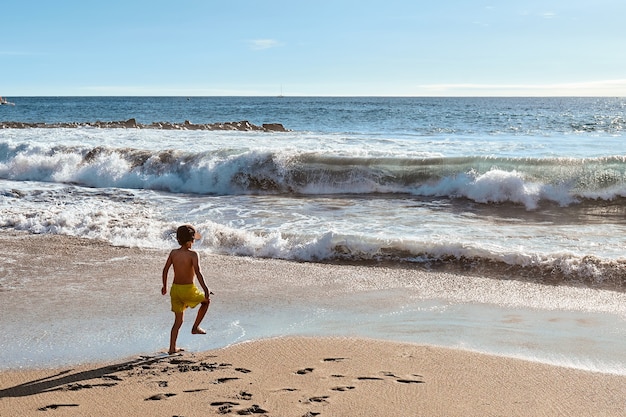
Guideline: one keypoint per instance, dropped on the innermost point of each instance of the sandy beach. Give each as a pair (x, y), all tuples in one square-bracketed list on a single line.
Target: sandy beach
[(96, 322), (314, 377)]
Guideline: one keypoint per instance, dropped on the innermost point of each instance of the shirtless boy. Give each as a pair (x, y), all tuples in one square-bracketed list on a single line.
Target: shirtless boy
[(184, 293)]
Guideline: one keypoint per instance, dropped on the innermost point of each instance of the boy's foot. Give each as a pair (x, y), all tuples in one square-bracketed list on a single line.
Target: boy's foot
[(177, 350), (198, 330)]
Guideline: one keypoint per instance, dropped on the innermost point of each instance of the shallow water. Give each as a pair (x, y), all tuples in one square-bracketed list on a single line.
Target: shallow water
[(583, 340), (82, 302)]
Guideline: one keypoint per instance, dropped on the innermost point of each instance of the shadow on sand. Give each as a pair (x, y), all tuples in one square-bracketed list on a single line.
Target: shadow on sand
[(66, 380)]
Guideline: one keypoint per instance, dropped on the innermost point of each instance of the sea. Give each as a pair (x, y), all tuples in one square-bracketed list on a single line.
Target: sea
[(529, 189)]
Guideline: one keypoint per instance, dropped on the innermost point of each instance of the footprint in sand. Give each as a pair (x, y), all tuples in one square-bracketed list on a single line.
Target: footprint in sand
[(392, 375), (158, 397), (343, 388), (255, 409), (201, 367), (78, 387), (55, 406), (224, 407), (195, 390), (222, 380), (181, 361), (287, 389), (410, 381), (406, 380), (243, 395), (320, 399)]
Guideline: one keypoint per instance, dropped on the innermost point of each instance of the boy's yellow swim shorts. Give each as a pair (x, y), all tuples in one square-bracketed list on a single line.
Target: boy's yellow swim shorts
[(183, 296)]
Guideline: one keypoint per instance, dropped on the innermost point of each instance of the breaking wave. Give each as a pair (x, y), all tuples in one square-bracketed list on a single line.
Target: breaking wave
[(488, 180)]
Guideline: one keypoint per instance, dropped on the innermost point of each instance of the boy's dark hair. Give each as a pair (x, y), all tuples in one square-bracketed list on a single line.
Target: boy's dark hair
[(186, 233)]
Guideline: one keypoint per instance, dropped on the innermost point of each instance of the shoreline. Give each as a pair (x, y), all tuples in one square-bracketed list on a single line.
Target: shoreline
[(106, 302), (315, 376)]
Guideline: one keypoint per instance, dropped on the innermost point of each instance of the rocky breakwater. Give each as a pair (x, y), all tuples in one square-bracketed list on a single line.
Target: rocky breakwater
[(244, 125)]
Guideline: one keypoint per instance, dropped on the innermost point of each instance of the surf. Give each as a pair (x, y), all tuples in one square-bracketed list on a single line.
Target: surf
[(227, 171)]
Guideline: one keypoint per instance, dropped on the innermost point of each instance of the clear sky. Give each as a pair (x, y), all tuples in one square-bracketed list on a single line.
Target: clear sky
[(309, 48)]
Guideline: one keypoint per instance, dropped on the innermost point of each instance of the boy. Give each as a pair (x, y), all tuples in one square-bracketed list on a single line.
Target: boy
[(184, 293)]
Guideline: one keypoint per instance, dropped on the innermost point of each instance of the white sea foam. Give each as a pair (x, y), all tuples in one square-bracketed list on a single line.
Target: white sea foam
[(319, 230)]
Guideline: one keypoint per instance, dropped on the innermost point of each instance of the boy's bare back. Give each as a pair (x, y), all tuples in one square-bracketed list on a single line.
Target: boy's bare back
[(186, 265)]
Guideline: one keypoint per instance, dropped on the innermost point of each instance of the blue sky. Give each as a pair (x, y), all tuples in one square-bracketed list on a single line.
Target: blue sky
[(309, 48)]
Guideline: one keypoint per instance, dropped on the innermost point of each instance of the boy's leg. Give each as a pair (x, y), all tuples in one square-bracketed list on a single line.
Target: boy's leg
[(178, 321), (204, 307)]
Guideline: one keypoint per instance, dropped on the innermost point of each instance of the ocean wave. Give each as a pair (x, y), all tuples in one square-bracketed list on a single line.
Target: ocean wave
[(136, 225), (524, 181), (553, 269)]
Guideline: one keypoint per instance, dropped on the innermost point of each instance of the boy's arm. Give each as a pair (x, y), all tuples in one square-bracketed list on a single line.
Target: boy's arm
[(166, 269), (196, 269)]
